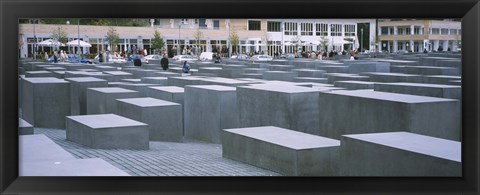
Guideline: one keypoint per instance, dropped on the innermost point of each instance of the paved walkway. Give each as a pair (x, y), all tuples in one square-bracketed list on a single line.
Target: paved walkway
[(191, 158)]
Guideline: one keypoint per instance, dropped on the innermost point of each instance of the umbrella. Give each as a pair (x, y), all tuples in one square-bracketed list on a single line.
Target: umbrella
[(50, 43), (82, 43)]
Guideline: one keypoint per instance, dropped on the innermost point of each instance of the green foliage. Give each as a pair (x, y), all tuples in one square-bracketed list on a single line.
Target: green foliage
[(234, 40), (60, 35), (112, 37), (157, 41)]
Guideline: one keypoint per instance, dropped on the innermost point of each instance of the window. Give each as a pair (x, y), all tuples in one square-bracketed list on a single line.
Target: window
[(460, 31), (384, 30), (322, 29), (453, 31), (434, 31), (408, 31), (216, 24), (349, 30), (306, 29), (391, 30), (274, 26), (417, 30), (291, 28), (183, 21), (444, 31), (335, 30), (254, 25)]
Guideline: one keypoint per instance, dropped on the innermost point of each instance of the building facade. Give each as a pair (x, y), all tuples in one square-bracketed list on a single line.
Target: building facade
[(268, 36), (418, 35)]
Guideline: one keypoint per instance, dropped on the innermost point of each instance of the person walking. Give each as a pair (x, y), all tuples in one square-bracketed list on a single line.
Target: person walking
[(164, 62), (186, 67)]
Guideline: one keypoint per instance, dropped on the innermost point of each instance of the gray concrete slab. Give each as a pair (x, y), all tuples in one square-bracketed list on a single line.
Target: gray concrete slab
[(164, 118), (433, 90), (285, 151), (279, 75), (77, 167), (24, 128), (354, 85), (209, 109), (46, 102), (399, 154), (41, 73), (366, 111), (102, 100), (285, 106), (107, 131), (78, 92)]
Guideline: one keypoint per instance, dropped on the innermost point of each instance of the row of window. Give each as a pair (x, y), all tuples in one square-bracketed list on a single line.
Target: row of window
[(445, 31), (306, 29), (417, 30)]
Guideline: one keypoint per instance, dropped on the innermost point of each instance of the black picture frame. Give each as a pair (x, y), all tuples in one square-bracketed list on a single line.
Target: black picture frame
[(11, 10)]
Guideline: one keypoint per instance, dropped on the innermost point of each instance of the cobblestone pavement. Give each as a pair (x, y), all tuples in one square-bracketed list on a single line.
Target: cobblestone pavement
[(190, 158)]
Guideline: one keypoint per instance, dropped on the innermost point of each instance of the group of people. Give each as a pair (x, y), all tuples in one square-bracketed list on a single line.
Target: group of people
[(61, 56)]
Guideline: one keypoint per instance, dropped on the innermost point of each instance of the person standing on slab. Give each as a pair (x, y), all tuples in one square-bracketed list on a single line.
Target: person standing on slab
[(164, 62)]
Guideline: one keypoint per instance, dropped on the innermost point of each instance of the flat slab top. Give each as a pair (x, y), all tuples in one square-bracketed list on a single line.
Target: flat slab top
[(279, 72), (421, 85), (105, 121), (112, 90), (103, 66), (311, 78), (281, 88), (393, 74), (84, 79), (117, 73), (35, 148), (74, 167), (155, 78), (307, 70), (45, 80), (225, 80), (191, 78), (38, 72), (138, 84), (147, 102), (285, 137), (167, 73), (132, 80), (212, 87), (395, 97), (421, 144), (445, 77), (356, 82), (23, 123), (171, 89), (210, 68), (430, 67)]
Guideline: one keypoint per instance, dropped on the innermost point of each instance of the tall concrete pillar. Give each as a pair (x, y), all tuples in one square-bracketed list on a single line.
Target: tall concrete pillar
[(436, 44), (395, 44), (412, 45), (445, 45)]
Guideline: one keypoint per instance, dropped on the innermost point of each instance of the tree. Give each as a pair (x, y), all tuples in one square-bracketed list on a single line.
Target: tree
[(59, 35), (112, 38), (234, 40), (323, 42), (157, 42), (198, 36), (296, 40)]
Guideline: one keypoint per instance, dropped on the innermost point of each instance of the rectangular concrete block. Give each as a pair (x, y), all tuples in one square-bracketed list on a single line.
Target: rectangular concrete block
[(285, 106), (209, 109), (440, 79), (142, 88), (360, 67), (279, 75), (102, 100), (399, 154), (46, 102), (78, 92), (366, 111), (223, 81), (107, 131), (164, 119), (310, 73), (118, 75), (310, 79), (334, 68), (333, 77), (395, 78), (288, 152), (182, 81), (354, 85), (431, 70), (155, 80), (24, 128), (432, 90), (41, 73)]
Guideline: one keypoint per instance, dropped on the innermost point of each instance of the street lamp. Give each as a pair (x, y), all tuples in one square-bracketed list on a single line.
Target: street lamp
[(361, 40), (78, 40), (35, 41)]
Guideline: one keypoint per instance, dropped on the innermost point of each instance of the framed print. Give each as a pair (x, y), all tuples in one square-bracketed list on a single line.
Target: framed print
[(228, 97)]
